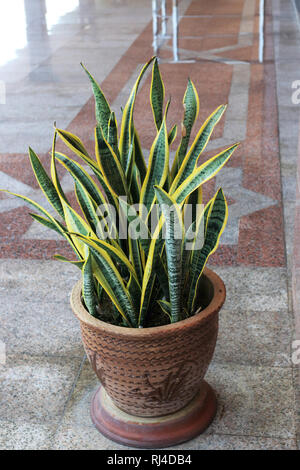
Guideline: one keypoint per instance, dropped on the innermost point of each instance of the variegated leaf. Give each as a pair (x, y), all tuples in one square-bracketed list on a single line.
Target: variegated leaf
[(216, 221), (173, 242), (190, 161), (157, 94)]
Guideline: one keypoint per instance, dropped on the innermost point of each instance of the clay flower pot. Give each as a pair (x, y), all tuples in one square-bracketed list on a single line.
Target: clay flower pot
[(152, 390)]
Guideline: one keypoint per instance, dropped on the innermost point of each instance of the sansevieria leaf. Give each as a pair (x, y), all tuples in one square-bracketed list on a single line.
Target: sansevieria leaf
[(109, 164), (172, 134), (190, 161), (88, 286), (191, 111), (75, 223), (80, 174), (89, 209), (75, 144), (102, 108), (54, 174), (45, 183), (47, 223), (139, 157), (112, 134), (165, 306), (55, 222), (157, 94), (110, 279), (157, 168), (136, 225), (154, 253), (127, 128), (173, 241), (202, 174), (114, 252), (215, 224), (63, 259)]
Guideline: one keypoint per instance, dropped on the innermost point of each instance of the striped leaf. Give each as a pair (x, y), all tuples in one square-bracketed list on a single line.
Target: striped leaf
[(172, 134), (200, 232), (75, 144), (61, 258), (102, 109), (130, 165), (202, 174), (127, 128), (186, 253), (76, 224), (166, 307), (157, 168), (191, 111), (109, 164), (79, 174), (149, 272), (54, 174), (135, 256), (157, 95), (193, 201), (45, 183), (47, 223), (114, 252), (134, 290), (190, 161), (55, 222), (138, 157), (112, 134), (216, 221), (88, 286), (89, 209), (82, 178), (143, 237), (34, 204), (109, 278), (135, 185), (137, 223), (173, 242)]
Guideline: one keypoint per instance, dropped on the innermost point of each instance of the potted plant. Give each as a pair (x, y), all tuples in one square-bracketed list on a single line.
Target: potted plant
[(147, 306)]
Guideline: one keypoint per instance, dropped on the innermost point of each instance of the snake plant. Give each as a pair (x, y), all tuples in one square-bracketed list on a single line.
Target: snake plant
[(150, 277)]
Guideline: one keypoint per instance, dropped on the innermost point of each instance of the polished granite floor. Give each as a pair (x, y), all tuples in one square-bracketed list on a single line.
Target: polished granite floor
[(45, 381)]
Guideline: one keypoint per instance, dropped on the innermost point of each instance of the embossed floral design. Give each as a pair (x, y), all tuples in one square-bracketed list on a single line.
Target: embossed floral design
[(170, 386)]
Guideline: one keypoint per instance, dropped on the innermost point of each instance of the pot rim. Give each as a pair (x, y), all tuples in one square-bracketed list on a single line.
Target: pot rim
[(138, 333)]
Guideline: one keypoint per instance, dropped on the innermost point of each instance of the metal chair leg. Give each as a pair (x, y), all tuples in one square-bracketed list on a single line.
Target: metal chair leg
[(175, 29)]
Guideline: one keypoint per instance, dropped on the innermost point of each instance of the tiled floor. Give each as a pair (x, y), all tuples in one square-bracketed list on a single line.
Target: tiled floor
[(46, 384)]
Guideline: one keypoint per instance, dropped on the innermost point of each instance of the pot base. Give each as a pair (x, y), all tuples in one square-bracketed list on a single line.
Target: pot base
[(162, 431)]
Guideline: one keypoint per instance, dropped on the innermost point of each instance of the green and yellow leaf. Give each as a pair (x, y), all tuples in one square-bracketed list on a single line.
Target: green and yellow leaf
[(157, 94), (173, 241), (216, 221), (102, 109), (202, 174), (127, 128), (88, 286), (190, 160), (157, 168)]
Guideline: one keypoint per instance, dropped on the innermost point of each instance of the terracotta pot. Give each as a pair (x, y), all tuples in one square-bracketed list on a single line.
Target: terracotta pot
[(154, 371)]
